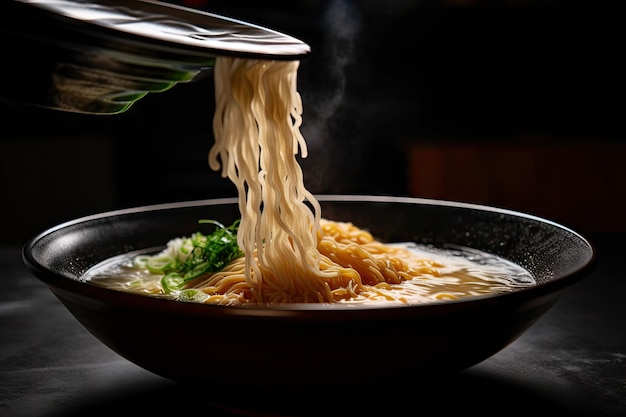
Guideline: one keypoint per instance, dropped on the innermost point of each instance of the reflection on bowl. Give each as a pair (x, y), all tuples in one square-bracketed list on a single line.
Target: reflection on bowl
[(309, 351)]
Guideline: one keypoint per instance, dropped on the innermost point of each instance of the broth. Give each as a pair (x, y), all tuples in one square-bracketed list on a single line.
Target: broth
[(451, 273)]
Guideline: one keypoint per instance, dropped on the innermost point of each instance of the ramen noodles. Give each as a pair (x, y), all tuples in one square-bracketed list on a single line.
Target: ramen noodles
[(401, 273), (289, 253)]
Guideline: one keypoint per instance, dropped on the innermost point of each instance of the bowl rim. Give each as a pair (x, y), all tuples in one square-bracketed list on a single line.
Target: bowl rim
[(66, 285)]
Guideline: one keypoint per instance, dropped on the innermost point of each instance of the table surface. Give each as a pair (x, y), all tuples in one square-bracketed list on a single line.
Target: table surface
[(572, 361)]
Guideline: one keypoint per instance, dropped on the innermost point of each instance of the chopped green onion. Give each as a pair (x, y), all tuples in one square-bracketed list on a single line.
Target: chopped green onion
[(160, 263), (172, 282), (193, 295), (190, 257)]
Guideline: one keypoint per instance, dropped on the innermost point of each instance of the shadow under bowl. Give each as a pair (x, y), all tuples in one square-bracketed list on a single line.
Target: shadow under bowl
[(305, 350)]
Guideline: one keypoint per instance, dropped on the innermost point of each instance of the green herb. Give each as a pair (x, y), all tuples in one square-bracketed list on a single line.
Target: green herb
[(192, 295), (187, 258)]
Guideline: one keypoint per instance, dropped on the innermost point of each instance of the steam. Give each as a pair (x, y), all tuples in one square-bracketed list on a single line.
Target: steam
[(342, 24)]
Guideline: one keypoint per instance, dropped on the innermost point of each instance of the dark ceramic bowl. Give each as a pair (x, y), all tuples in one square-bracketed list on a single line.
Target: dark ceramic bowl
[(307, 351)]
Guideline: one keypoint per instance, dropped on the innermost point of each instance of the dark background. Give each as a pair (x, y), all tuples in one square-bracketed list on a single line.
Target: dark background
[(517, 104)]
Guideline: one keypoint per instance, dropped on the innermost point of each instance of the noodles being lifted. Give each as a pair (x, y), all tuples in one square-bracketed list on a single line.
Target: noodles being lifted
[(290, 253), (256, 126), (257, 137)]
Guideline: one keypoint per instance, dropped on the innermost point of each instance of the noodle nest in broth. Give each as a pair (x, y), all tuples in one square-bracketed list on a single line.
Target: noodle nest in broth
[(365, 270)]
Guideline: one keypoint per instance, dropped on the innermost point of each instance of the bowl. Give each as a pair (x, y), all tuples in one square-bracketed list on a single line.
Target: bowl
[(305, 351)]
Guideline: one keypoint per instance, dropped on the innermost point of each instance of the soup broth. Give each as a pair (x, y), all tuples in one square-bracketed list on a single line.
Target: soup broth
[(434, 274)]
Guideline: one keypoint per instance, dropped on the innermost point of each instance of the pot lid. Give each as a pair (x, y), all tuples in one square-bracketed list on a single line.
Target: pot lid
[(175, 26), (101, 56)]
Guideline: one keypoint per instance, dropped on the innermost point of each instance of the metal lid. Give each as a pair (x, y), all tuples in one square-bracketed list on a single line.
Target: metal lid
[(100, 56), (175, 26)]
